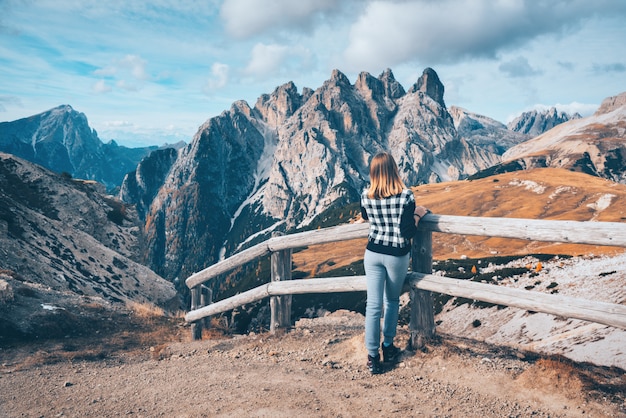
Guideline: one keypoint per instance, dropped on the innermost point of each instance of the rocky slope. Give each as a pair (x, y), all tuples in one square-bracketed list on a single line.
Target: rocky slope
[(593, 145), (65, 240)]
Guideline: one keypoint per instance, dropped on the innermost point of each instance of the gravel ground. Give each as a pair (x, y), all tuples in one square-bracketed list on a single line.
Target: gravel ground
[(316, 369)]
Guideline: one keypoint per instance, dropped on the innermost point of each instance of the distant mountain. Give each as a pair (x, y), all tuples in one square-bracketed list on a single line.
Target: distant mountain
[(536, 122), (594, 145), (61, 140), (485, 132)]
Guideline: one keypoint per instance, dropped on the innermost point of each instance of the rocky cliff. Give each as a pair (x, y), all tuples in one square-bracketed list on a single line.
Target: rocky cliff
[(536, 122), (293, 157)]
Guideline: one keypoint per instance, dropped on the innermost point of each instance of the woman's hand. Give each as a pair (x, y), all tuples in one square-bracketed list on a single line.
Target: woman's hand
[(419, 213)]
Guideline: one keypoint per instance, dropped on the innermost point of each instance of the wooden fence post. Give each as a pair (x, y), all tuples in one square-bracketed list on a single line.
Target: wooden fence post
[(206, 298), (196, 326), (280, 306), (422, 323)]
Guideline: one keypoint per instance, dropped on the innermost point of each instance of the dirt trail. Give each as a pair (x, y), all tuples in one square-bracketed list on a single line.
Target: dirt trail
[(317, 369)]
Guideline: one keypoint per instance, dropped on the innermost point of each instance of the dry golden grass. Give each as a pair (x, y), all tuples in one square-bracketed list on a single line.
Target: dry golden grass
[(547, 193)]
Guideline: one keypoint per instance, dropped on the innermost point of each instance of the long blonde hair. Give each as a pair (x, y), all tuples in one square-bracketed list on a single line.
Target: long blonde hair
[(385, 179)]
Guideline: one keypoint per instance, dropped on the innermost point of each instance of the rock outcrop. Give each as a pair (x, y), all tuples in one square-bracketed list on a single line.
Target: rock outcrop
[(287, 162), (536, 122)]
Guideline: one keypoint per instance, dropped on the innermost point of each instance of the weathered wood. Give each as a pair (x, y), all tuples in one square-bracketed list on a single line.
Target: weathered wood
[(601, 312), (291, 287), (196, 326), (231, 303), (319, 236), (230, 263), (594, 233), (594, 311), (326, 285), (280, 306), (422, 316), (206, 298)]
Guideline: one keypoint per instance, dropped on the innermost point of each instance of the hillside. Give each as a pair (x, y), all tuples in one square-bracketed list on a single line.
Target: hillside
[(545, 193), (66, 249), (593, 145), (124, 362)]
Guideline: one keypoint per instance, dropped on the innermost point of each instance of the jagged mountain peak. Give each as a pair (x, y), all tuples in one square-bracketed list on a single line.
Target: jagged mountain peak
[(611, 103), (393, 89), (430, 84), (535, 122), (338, 78), (484, 131), (61, 140), (293, 158), (593, 145), (369, 85), (276, 107)]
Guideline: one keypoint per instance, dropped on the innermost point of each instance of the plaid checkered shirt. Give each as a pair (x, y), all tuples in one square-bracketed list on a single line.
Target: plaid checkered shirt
[(385, 215)]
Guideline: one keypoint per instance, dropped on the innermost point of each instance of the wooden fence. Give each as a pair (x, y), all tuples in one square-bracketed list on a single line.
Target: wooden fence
[(422, 327)]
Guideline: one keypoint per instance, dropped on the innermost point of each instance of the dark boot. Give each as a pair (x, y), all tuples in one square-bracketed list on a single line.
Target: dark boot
[(390, 354), (373, 364)]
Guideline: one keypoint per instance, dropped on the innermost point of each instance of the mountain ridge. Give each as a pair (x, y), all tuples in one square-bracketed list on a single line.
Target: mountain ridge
[(61, 140)]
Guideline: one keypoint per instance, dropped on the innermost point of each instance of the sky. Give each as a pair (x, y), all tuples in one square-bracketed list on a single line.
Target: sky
[(152, 72)]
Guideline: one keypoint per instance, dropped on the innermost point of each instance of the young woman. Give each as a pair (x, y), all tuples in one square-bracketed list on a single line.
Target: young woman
[(390, 208)]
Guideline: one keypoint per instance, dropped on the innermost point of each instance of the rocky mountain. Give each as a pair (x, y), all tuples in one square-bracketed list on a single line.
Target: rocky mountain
[(594, 145), (293, 157), (64, 238), (485, 132), (536, 122), (142, 184), (60, 139)]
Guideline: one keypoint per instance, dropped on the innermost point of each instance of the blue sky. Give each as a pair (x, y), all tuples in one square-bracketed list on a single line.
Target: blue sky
[(153, 72)]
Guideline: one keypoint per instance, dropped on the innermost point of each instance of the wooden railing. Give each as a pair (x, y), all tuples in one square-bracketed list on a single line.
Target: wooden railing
[(421, 281)]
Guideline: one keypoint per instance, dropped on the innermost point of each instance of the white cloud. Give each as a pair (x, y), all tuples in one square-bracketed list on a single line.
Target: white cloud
[(447, 31), (129, 71), (132, 65), (118, 124), (266, 59), (219, 77), (244, 18), (101, 87), (128, 86)]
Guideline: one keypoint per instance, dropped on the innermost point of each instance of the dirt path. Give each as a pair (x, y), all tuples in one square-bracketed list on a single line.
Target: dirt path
[(316, 369)]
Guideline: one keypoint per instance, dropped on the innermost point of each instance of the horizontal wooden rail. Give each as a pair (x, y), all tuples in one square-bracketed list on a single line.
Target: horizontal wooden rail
[(594, 311), (300, 239), (594, 233), (576, 232), (290, 287)]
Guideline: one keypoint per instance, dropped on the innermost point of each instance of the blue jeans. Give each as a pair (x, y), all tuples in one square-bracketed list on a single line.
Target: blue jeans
[(385, 276)]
